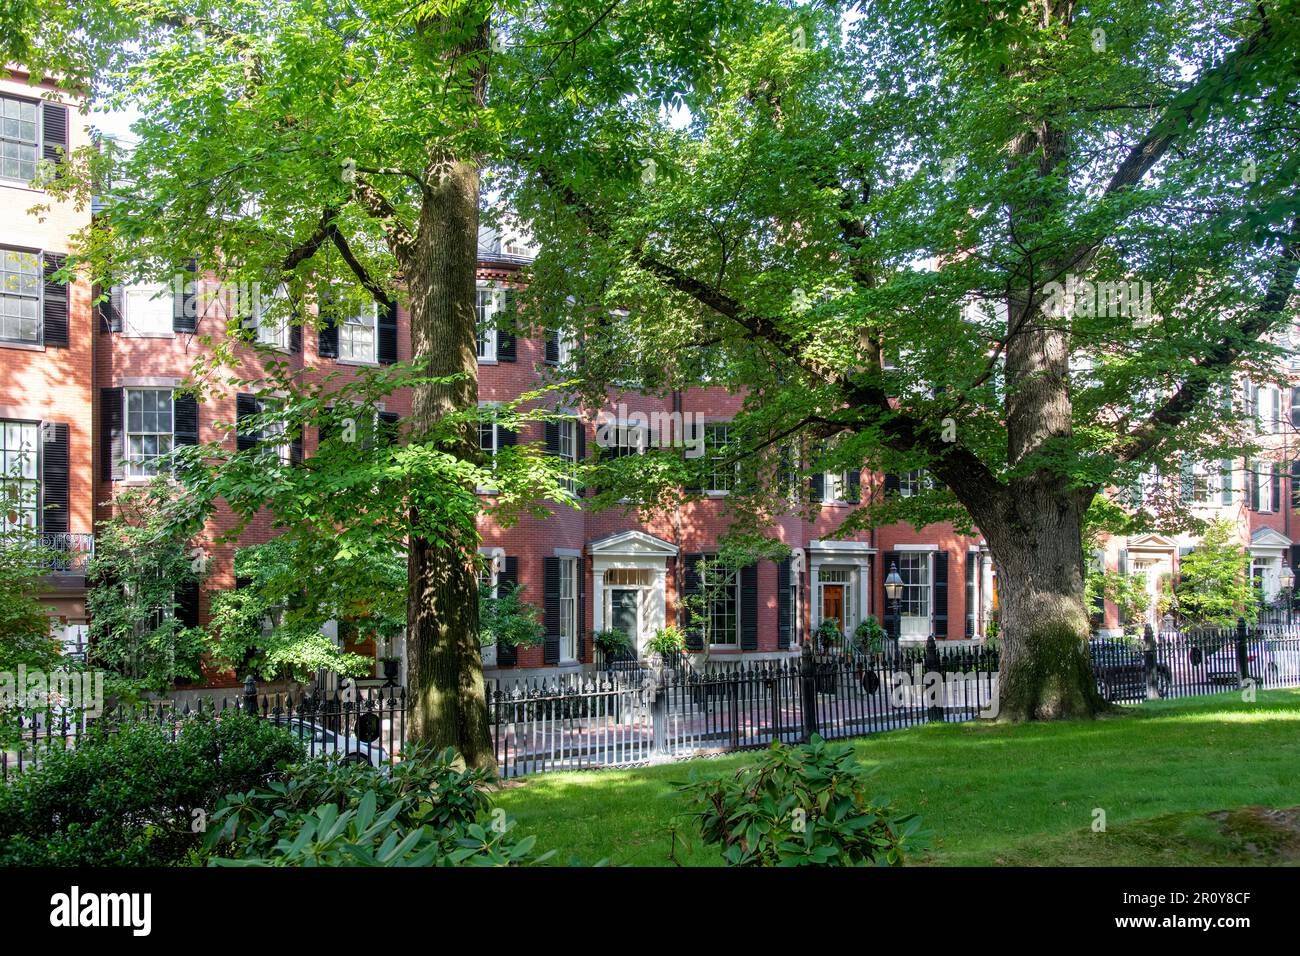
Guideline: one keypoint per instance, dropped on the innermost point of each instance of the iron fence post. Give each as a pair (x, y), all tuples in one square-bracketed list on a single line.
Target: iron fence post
[(1243, 673), (659, 714), (933, 666), (808, 690), (250, 696)]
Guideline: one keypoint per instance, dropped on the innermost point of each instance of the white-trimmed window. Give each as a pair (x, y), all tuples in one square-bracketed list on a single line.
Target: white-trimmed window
[(357, 337), (487, 303), (722, 476), (147, 308), (912, 483), (271, 319), (148, 430), (567, 450), (838, 487), (20, 138), (18, 473), (724, 611), (20, 296), (914, 602), (568, 609), (275, 441)]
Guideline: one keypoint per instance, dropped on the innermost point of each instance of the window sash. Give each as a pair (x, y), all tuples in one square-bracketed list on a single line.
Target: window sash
[(568, 609), (914, 602), (487, 303), (19, 471), (721, 477), (148, 309), (358, 341), (724, 615), (21, 290), (20, 138), (149, 430)]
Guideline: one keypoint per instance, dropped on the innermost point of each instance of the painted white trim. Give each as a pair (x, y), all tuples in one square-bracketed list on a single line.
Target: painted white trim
[(916, 547)]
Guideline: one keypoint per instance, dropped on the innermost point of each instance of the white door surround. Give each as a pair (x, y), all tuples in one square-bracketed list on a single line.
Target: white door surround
[(853, 557), (1267, 548), (638, 552)]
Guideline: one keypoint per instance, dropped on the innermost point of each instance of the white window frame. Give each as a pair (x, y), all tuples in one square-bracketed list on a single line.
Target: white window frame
[(568, 609), (913, 483), (37, 144), (494, 444), (367, 316), (488, 301), (276, 336), (138, 465), (1265, 475), (835, 484), (711, 446), (733, 588), (147, 310), (916, 592), (20, 450), (282, 449), (568, 436), (22, 297)]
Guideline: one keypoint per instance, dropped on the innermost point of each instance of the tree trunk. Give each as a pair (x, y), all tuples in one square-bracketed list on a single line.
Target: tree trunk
[(1037, 545)]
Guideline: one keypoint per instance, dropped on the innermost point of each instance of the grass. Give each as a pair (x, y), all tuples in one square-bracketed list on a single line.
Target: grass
[(1020, 794)]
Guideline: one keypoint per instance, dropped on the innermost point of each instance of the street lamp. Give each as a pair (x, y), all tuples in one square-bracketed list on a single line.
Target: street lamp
[(893, 591)]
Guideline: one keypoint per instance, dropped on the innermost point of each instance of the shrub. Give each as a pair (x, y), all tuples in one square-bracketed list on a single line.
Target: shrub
[(611, 640), (802, 805), (135, 797), (426, 811), (870, 635)]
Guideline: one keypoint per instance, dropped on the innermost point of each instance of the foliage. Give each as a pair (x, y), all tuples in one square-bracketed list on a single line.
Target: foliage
[(25, 633), (428, 810), (611, 640), (738, 548), (667, 641), (1214, 586), (829, 635), (136, 797), (145, 556), (870, 635), (289, 588), (507, 618), (801, 805), (1127, 591)]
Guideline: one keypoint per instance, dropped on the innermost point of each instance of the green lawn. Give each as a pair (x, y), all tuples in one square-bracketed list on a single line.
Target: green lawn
[(991, 794)]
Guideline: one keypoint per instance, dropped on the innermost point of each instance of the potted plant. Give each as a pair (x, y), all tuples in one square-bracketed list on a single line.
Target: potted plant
[(667, 643), (612, 642), (392, 665), (829, 634), (870, 636)]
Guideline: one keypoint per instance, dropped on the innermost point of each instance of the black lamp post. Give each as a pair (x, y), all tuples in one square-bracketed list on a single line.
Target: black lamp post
[(893, 592), (1287, 580)]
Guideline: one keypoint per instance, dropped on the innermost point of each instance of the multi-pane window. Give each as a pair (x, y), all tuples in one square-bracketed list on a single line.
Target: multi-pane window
[(19, 475), (568, 609), (562, 344), (273, 320), (627, 440), (1202, 484), (837, 486), (1264, 479), (275, 439), (19, 139), (724, 612), (912, 482), (486, 305), (722, 476), (20, 296), (148, 308), (357, 334), (914, 602), (148, 430), (568, 450)]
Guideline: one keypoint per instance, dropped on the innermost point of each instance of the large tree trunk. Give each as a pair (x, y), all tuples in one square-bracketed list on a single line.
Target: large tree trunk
[(1037, 545), (449, 706)]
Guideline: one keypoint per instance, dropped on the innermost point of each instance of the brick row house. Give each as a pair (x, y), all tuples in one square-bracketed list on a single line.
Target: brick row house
[(88, 403)]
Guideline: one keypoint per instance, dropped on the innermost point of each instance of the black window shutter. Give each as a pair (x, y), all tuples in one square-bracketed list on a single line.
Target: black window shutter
[(507, 654), (506, 349), (55, 303), (327, 335), (1295, 408), (505, 436), (295, 338), (185, 412), (551, 609), (890, 618), (387, 333), (55, 500), (551, 355), (388, 428), (939, 594), (1252, 479), (295, 449), (110, 309), (1295, 487), (552, 431), (246, 406), (111, 439), (1225, 481), (54, 132), (690, 589), (817, 485), (187, 603), (892, 485), (1276, 485), (185, 300), (749, 608), (783, 603)]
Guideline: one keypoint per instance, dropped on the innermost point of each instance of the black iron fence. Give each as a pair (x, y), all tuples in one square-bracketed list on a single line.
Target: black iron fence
[(365, 725), (641, 714)]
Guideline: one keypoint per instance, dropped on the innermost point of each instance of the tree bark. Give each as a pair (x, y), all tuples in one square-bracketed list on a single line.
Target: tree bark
[(449, 706)]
